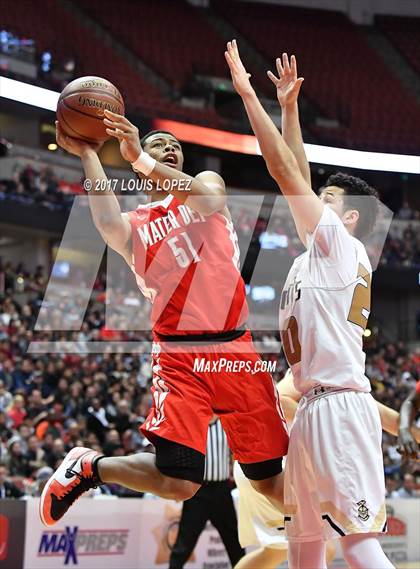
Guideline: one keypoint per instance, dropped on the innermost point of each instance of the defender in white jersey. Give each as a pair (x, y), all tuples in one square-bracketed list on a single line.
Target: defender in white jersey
[(325, 304), (337, 427), (334, 481)]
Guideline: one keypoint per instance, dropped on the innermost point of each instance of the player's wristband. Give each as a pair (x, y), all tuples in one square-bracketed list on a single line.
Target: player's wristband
[(144, 164)]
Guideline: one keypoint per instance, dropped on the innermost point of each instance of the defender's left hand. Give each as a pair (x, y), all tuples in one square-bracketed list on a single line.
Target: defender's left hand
[(287, 83)]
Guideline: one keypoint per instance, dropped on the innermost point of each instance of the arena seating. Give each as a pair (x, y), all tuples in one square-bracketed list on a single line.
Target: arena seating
[(168, 35), (403, 33), (93, 56), (172, 38), (344, 77)]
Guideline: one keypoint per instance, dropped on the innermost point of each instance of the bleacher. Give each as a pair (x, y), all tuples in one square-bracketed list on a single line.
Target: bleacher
[(346, 81), (403, 33), (57, 29), (344, 77)]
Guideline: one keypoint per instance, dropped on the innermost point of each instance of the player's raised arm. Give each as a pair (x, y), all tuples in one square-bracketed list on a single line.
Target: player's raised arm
[(288, 86), (200, 197), (113, 225), (305, 206)]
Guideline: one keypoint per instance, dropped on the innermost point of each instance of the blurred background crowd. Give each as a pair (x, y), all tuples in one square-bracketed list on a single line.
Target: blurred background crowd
[(50, 403), (43, 187)]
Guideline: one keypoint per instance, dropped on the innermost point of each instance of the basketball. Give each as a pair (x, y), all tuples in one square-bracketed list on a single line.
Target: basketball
[(81, 105)]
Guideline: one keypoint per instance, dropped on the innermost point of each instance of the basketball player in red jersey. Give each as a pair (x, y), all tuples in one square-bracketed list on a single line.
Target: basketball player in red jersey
[(183, 250)]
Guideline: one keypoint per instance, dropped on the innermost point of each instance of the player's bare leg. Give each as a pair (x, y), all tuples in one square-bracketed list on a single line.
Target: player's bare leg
[(139, 472), (84, 468), (363, 551), (273, 489), (307, 555), (263, 558)]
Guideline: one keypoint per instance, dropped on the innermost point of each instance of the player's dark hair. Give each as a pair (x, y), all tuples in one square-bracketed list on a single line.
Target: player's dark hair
[(356, 193), (144, 138)]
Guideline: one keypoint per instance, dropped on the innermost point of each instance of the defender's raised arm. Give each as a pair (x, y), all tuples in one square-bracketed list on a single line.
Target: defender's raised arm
[(281, 161), (288, 86)]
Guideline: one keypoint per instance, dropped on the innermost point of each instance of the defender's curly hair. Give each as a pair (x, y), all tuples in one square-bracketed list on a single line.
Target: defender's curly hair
[(359, 196)]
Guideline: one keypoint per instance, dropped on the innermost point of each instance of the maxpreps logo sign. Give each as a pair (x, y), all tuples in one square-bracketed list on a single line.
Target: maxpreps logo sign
[(72, 543)]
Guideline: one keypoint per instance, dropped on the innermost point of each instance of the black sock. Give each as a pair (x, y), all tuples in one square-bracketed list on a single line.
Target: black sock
[(97, 479)]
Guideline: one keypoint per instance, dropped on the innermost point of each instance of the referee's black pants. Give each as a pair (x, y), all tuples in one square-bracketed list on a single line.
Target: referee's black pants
[(212, 502)]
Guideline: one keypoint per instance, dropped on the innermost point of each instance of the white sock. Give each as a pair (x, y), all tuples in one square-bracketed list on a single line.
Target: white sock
[(308, 555), (363, 551)]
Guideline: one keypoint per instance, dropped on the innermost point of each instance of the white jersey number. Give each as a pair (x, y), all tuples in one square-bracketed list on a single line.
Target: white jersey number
[(181, 255)]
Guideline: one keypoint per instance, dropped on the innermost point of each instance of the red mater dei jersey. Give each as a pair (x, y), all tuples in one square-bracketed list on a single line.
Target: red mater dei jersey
[(188, 266)]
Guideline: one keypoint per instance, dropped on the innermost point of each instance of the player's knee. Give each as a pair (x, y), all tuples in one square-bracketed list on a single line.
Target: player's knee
[(269, 488), (267, 478), (182, 466), (181, 490)]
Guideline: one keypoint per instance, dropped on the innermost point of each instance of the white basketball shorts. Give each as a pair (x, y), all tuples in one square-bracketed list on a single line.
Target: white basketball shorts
[(334, 477)]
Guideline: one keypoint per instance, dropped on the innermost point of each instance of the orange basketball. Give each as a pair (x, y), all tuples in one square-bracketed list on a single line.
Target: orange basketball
[(80, 108)]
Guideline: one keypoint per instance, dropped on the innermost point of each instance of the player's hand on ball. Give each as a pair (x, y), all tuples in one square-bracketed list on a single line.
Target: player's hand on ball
[(287, 83), (408, 447), (126, 133), (240, 76), (73, 145)]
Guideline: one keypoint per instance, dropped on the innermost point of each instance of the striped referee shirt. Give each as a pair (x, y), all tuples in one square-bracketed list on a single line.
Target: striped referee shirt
[(217, 455)]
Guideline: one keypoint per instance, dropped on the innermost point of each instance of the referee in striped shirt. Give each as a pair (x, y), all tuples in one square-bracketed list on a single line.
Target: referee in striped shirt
[(212, 502)]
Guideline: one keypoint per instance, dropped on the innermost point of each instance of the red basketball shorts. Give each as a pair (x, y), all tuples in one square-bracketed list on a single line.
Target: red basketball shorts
[(189, 387)]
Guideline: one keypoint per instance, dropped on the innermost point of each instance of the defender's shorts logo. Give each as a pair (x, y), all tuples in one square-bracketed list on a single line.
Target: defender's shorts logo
[(363, 512)]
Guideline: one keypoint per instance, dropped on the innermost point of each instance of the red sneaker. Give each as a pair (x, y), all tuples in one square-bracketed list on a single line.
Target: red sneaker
[(72, 478)]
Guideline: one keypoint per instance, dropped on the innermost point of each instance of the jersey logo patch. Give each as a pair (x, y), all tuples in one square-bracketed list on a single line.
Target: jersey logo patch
[(363, 511)]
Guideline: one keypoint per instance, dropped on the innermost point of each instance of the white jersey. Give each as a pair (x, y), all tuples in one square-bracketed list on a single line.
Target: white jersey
[(324, 309)]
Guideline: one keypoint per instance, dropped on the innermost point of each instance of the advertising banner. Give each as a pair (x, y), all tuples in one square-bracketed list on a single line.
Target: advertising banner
[(95, 533), (124, 533), (159, 528), (139, 534)]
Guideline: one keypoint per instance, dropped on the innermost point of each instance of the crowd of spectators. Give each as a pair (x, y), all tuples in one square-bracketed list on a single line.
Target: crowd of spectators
[(51, 402), (30, 186), (393, 372), (402, 247)]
